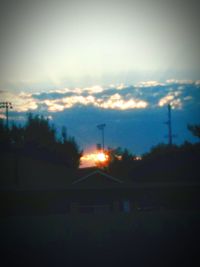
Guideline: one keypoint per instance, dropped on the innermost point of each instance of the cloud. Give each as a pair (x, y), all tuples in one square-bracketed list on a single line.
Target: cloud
[(119, 97), (171, 98), (175, 81), (115, 101), (150, 84), (165, 100), (197, 83), (51, 95), (121, 86), (94, 89), (21, 102), (78, 100), (53, 105)]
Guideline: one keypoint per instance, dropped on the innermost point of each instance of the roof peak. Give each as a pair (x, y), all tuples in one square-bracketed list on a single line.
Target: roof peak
[(98, 172)]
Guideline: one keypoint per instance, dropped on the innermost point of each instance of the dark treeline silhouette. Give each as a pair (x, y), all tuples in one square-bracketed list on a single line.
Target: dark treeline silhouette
[(121, 161), (195, 129), (37, 139), (170, 164), (163, 163)]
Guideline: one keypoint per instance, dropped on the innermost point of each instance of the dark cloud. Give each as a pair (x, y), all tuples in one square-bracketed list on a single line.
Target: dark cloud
[(51, 95)]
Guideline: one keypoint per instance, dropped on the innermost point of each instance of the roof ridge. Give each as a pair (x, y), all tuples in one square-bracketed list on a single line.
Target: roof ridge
[(100, 172), (110, 176)]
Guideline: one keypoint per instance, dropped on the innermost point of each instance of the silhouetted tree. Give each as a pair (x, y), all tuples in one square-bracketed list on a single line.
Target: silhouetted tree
[(160, 150), (68, 152), (4, 137), (38, 133), (127, 156), (121, 163), (38, 139), (17, 136), (194, 129), (64, 134)]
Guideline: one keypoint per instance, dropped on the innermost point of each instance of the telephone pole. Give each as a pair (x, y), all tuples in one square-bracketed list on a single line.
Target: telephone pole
[(101, 127), (7, 106), (169, 123)]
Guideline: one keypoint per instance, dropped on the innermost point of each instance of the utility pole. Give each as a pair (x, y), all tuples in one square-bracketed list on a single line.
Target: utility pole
[(101, 127), (6, 105), (169, 123)]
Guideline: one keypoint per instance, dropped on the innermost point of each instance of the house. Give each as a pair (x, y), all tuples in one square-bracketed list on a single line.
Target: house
[(44, 188), (52, 189), (99, 192)]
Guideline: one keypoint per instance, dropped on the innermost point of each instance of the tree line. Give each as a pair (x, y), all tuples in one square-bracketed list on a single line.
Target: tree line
[(39, 139), (163, 162)]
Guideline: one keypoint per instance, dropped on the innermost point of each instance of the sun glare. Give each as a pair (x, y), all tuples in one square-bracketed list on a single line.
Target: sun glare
[(101, 157), (94, 159)]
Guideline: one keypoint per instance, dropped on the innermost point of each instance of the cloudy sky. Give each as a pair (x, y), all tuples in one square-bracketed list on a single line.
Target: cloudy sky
[(85, 62)]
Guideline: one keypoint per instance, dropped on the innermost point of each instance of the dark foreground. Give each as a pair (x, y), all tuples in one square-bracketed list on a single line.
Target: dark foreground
[(143, 238)]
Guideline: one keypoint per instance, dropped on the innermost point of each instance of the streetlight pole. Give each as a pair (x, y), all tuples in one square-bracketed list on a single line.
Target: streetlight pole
[(7, 106), (101, 127), (169, 125)]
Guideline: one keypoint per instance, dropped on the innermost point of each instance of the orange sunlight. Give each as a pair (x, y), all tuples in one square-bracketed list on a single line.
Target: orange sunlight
[(95, 158), (102, 157)]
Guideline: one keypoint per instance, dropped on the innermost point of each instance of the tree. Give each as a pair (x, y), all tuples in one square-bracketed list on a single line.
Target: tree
[(194, 129), (127, 156), (38, 133), (121, 163), (64, 134), (38, 139), (5, 141), (161, 150), (68, 152), (17, 136)]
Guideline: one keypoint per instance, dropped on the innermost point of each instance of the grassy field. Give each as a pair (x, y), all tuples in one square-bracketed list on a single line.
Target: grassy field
[(162, 238)]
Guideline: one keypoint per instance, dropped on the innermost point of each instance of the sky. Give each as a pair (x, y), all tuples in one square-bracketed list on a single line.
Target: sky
[(83, 62)]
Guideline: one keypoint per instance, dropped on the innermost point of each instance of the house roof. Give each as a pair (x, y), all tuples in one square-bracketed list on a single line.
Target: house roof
[(97, 178)]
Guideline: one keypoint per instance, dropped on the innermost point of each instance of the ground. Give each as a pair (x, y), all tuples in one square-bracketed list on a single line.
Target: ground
[(143, 238)]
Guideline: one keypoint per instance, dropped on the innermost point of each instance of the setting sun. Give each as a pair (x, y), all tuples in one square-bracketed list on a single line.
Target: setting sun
[(94, 159), (102, 157)]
